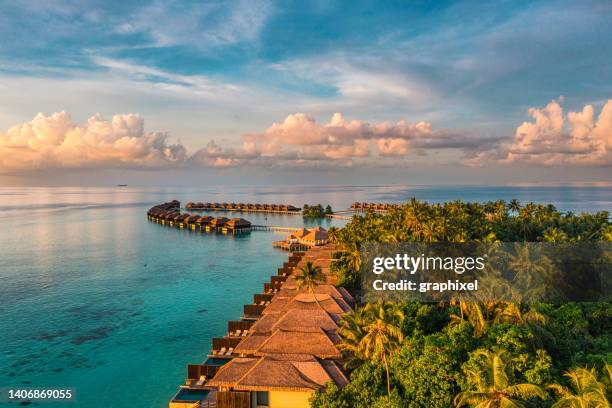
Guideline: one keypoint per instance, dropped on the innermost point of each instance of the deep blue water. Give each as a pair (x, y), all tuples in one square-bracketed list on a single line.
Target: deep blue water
[(96, 298)]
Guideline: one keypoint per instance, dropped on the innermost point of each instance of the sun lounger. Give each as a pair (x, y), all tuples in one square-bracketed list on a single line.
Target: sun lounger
[(222, 351), (244, 333), (201, 381), (230, 351), (238, 332)]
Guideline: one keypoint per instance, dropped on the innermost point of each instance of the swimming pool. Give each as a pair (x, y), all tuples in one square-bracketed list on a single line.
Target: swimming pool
[(216, 361), (191, 394)]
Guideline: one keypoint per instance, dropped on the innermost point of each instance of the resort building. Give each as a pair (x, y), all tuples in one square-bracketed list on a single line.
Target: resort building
[(237, 225), (303, 239), (282, 351), (277, 381), (274, 208), (373, 206)]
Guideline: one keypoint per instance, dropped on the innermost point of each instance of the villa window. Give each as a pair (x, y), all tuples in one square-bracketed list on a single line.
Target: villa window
[(263, 399)]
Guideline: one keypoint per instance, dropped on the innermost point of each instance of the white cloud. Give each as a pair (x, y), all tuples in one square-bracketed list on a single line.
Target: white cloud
[(553, 138), (201, 25), (56, 142)]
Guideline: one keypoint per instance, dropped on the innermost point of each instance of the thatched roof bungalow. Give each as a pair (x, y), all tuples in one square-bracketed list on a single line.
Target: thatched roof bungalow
[(315, 237), (218, 222), (237, 224), (277, 380), (204, 220), (192, 219)]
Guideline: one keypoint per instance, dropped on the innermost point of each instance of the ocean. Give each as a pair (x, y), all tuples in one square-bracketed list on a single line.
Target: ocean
[(96, 298)]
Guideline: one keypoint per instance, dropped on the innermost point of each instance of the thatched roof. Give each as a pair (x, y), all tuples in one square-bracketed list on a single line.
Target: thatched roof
[(205, 219), (306, 301), (238, 223), (218, 221), (278, 372), (295, 319), (315, 234), (290, 289), (251, 343), (193, 218)]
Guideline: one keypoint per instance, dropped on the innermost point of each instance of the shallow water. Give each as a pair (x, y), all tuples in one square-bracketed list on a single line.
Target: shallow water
[(96, 298)]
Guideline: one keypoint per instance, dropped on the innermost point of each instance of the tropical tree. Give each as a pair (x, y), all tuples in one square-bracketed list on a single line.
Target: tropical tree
[(521, 315), (310, 277), (585, 390), (333, 234), (493, 388), (514, 205), (373, 333)]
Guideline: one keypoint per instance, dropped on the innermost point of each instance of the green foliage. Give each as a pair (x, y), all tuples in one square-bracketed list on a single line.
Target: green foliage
[(490, 382), (366, 387), (313, 211), (426, 373), (447, 354)]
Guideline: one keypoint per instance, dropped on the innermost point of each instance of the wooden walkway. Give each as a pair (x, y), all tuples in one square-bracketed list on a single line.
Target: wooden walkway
[(273, 228), (297, 212)]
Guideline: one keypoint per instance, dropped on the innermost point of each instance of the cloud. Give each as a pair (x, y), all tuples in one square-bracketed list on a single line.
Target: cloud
[(198, 84), (300, 140), (200, 25), (56, 142), (553, 138)]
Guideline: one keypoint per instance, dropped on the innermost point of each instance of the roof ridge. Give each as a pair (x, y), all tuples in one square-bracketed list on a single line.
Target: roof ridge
[(266, 340), (259, 360), (303, 376)]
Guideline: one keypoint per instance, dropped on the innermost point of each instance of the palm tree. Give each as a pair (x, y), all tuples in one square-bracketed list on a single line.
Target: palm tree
[(585, 392), (309, 278), (373, 333), (521, 315), (493, 387), (333, 234), (514, 205)]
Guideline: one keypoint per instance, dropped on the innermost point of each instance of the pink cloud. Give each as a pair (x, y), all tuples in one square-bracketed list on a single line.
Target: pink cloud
[(299, 137)]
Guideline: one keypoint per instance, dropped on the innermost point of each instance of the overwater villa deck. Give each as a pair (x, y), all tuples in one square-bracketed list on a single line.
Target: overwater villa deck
[(242, 207), (381, 207), (169, 214), (303, 239), (282, 350)]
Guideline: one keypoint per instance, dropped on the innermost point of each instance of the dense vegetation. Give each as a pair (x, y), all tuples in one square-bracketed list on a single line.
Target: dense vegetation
[(494, 354), (316, 211)]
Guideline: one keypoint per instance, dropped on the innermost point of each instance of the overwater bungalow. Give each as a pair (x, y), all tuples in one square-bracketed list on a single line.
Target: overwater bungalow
[(283, 349), (217, 222), (236, 225), (189, 205), (203, 221), (191, 221)]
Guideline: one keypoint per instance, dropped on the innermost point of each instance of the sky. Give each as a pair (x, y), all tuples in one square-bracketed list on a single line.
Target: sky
[(319, 92)]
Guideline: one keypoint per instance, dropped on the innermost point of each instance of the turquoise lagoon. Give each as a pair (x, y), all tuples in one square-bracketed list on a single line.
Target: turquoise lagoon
[(96, 298)]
